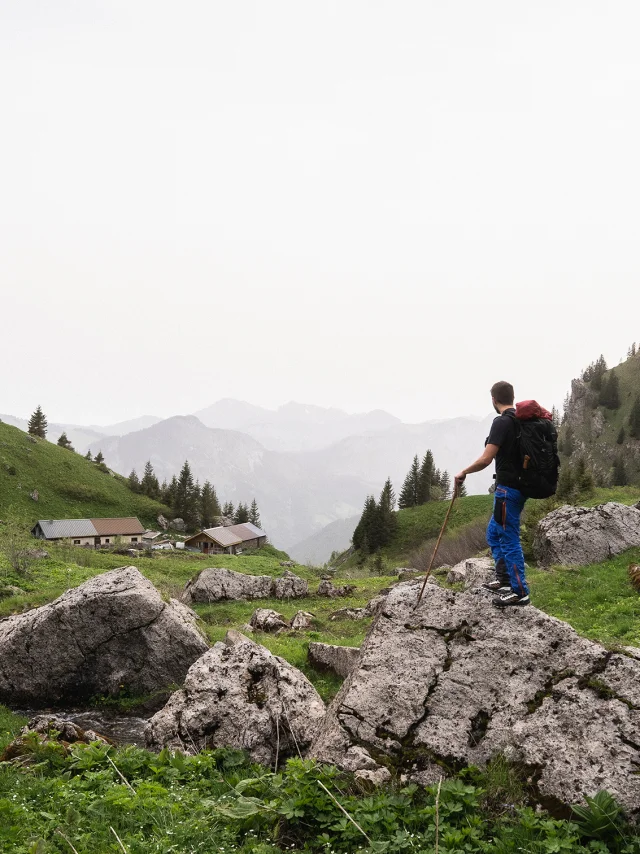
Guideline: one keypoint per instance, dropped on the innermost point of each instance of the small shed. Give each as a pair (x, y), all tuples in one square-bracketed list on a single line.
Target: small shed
[(214, 541)]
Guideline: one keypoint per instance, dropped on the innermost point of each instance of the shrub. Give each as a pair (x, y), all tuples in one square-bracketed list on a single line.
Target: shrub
[(460, 545)]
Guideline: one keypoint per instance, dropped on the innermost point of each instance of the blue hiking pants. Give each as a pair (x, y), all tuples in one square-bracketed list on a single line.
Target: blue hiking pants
[(503, 537)]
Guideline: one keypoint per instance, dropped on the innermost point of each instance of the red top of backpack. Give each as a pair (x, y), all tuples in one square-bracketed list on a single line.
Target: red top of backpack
[(528, 409)]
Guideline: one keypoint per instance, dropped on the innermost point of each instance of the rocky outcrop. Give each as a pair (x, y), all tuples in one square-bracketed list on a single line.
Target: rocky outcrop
[(455, 682), (217, 585), (289, 586), (267, 620), (110, 634), (240, 695), (572, 536), (302, 620), (178, 524), (332, 591), (472, 572), (336, 659)]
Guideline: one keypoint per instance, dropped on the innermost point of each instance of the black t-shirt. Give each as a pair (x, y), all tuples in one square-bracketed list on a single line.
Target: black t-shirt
[(503, 434)]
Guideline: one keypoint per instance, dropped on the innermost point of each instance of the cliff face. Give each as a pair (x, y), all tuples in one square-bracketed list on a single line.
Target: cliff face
[(603, 434)]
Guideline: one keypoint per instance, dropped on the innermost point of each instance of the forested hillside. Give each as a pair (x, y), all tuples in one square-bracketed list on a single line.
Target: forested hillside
[(600, 434), (41, 480)]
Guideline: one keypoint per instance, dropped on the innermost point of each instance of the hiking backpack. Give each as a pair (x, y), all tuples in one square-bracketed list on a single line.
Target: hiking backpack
[(536, 449)]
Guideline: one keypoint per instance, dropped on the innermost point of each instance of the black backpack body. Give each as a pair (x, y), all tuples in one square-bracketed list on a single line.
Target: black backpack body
[(537, 461)]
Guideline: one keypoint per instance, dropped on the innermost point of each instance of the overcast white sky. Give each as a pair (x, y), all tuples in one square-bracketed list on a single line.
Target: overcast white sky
[(357, 203)]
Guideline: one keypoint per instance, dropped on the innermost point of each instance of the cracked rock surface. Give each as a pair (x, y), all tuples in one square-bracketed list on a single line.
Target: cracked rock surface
[(111, 633), (337, 659), (238, 694), (216, 585), (575, 536), (455, 682)]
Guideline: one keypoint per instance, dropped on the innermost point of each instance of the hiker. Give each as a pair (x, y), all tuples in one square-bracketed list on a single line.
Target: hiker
[(503, 533)]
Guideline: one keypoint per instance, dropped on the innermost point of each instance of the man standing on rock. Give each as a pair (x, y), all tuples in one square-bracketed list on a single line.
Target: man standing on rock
[(503, 533)]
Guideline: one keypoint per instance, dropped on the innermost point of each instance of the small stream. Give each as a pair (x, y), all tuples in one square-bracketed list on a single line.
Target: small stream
[(122, 729)]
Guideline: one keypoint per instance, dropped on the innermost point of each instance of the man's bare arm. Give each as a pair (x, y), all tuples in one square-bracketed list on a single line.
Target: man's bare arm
[(481, 463)]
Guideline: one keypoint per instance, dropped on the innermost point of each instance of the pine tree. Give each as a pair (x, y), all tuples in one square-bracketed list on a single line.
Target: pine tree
[(88, 456), (462, 490), (386, 519), (64, 442), (634, 419), (565, 408), (566, 485), (38, 424), (555, 417), (209, 506), (598, 372), (365, 536), (99, 458), (170, 492), (445, 483), (425, 479), (619, 473), (241, 515), (621, 437), (228, 510), (583, 477), (254, 514), (149, 484), (410, 487), (134, 481), (610, 392), (187, 499)]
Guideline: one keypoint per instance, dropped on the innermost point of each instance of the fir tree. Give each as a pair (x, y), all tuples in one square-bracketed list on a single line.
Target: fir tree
[(555, 417), (462, 490), (425, 479), (149, 484), (610, 392), (445, 484), (634, 419), (566, 486), (386, 520), (583, 477), (38, 424), (209, 506), (568, 442), (410, 487), (241, 514), (365, 535), (170, 492), (621, 437), (599, 369), (64, 442), (99, 458), (619, 473), (134, 481), (88, 456), (228, 510), (186, 503), (254, 514)]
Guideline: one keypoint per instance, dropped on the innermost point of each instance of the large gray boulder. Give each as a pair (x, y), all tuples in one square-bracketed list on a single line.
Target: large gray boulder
[(110, 634), (472, 572), (217, 585), (238, 694), (456, 681), (336, 659), (573, 536)]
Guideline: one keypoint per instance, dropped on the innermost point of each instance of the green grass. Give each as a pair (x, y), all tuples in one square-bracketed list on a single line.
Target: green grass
[(95, 799), (69, 487), (69, 566), (416, 525), (598, 601)]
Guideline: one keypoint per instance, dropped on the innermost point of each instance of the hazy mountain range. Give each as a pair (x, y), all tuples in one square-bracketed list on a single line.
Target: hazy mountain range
[(307, 467)]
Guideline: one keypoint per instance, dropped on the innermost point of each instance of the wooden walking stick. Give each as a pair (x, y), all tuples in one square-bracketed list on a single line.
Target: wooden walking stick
[(435, 551)]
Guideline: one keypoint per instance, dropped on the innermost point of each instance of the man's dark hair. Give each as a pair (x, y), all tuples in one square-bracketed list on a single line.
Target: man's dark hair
[(503, 393)]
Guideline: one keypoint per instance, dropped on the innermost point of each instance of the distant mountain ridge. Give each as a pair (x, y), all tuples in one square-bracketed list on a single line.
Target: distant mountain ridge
[(294, 426), (307, 466)]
